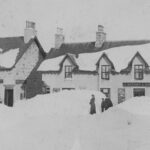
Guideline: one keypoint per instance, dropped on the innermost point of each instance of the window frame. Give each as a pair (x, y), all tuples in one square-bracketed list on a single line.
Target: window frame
[(104, 73), (56, 90), (138, 72), (68, 71), (109, 90), (139, 90)]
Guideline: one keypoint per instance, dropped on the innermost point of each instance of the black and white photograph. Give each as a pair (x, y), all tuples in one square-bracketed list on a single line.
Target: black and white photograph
[(74, 75)]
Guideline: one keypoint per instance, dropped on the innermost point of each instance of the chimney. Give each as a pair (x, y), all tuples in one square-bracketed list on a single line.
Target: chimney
[(100, 36), (30, 31), (59, 38)]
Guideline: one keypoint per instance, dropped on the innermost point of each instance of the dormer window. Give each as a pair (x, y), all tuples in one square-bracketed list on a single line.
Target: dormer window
[(68, 72), (138, 72), (105, 72)]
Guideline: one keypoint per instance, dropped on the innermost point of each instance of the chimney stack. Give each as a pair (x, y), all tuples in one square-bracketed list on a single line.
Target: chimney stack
[(100, 36), (30, 31), (59, 38)]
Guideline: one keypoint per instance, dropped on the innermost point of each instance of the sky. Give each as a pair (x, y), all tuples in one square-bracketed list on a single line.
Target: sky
[(122, 19)]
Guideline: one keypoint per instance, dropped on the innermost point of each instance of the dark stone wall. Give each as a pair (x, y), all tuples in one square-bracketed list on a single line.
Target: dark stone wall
[(33, 84)]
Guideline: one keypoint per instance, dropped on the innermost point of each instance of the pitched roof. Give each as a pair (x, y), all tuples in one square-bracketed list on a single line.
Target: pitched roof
[(88, 47), (129, 67), (11, 43), (119, 57), (55, 64)]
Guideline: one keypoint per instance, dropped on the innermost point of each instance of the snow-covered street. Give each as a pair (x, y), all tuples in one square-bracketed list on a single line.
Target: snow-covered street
[(40, 123)]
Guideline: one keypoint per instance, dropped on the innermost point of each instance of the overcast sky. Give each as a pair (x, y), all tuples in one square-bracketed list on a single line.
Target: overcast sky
[(122, 19)]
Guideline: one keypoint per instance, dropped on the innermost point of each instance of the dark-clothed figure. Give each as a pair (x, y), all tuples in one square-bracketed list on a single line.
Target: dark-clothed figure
[(106, 104), (103, 105), (93, 107)]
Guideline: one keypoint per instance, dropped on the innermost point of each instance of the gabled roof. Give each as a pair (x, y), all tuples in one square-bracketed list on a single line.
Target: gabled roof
[(89, 47), (104, 55), (71, 57), (11, 43), (129, 67), (55, 64), (119, 57)]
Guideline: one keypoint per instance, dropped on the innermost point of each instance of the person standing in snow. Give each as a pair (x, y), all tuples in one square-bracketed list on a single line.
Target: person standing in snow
[(93, 107), (103, 105), (108, 103)]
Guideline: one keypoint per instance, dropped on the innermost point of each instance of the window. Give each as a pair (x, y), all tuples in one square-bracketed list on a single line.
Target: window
[(138, 92), (68, 71), (55, 90), (138, 72), (68, 89), (105, 71), (106, 91), (23, 93), (47, 90)]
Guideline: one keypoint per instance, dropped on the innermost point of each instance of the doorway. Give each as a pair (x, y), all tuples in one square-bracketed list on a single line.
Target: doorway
[(9, 97)]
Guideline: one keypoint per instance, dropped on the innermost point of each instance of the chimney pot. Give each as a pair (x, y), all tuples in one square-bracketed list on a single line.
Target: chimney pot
[(100, 28), (30, 31), (59, 38), (30, 24), (100, 36)]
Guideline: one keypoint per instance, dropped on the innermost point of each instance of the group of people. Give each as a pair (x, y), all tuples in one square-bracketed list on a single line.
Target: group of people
[(105, 104)]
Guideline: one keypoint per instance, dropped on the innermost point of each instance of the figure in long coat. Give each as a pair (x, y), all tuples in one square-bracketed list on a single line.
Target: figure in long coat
[(93, 107), (103, 105), (108, 103)]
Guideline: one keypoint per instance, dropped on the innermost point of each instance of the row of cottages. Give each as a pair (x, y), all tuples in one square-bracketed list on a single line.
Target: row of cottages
[(119, 69), (19, 59)]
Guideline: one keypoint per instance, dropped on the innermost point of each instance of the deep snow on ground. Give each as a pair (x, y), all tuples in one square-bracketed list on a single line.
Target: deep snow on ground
[(137, 105), (45, 122)]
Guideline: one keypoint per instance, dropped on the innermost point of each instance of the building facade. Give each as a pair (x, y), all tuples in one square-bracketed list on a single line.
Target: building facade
[(120, 72), (14, 78)]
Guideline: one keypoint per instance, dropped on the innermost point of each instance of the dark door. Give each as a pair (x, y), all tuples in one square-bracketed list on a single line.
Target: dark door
[(9, 97), (139, 92)]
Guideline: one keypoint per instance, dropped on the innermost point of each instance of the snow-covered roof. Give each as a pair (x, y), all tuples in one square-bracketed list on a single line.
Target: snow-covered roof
[(13, 48), (51, 64), (119, 56), (8, 58)]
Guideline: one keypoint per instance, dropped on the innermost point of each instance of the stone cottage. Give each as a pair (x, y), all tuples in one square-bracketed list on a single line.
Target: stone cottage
[(20, 57)]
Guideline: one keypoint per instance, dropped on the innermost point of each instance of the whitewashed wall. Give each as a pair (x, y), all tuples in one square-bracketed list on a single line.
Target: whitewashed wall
[(94, 82), (78, 81), (116, 81)]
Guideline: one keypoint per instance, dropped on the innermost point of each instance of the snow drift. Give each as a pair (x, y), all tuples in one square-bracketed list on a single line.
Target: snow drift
[(75, 102), (62, 122), (137, 105)]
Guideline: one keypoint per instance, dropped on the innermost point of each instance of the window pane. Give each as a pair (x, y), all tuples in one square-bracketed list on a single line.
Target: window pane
[(68, 71), (105, 70)]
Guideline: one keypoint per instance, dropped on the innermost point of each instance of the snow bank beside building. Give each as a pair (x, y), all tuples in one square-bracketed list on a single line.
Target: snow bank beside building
[(137, 105), (75, 102)]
